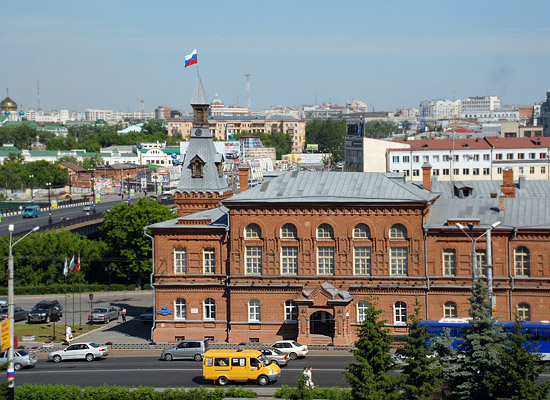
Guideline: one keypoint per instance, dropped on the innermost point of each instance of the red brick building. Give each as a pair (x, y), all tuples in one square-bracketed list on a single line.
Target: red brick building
[(297, 256)]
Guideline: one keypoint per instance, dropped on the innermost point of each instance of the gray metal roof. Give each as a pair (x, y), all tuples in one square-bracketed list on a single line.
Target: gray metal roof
[(218, 218), (483, 189), (524, 213), (333, 187), (199, 94)]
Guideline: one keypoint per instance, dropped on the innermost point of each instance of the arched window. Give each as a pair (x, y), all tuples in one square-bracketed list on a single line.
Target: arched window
[(291, 311), (209, 309), (400, 313), (524, 311), (398, 232), (521, 260), (289, 231), (254, 311), (252, 231), (450, 310), (180, 307), (361, 231), (362, 308), (325, 231)]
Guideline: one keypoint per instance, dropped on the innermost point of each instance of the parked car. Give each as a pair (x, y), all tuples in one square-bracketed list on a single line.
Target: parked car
[(88, 351), (275, 356), (104, 314), (3, 302), (21, 359), (292, 348), (147, 316), (18, 313), (45, 311), (190, 349)]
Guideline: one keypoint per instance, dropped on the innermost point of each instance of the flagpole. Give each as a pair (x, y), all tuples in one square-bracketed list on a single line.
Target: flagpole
[(65, 275), (79, 293), (73, 297)]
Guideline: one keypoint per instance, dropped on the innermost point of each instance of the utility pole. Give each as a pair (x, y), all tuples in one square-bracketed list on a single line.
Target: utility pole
[(248, 102)]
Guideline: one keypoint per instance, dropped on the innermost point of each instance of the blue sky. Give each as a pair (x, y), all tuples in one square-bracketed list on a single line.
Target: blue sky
[(389, 54)]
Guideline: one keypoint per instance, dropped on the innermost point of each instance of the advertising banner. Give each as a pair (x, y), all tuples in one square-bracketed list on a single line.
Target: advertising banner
[(5, 325), (312, 147)]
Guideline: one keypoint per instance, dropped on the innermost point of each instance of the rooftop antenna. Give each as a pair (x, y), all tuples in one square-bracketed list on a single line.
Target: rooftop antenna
[(248, 103), (38, 96), (142, 108)]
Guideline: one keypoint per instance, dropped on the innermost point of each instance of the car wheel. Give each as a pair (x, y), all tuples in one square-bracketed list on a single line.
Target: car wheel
[(89, 357), (293, 356), (262, 380), (222, 381), (17, 366), (168, 357), (198, 357), (56, 358)]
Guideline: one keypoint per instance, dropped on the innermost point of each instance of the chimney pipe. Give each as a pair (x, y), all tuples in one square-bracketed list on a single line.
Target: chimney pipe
[(243, 177), (508, 188), (501, 202), (427, 177)]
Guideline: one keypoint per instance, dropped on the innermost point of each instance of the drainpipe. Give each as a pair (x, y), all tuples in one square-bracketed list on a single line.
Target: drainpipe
[(151, 280), (512, 284), (425, 229), (228, 303)]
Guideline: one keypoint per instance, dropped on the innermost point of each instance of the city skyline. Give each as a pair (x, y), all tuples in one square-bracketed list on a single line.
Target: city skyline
[(114, 54)]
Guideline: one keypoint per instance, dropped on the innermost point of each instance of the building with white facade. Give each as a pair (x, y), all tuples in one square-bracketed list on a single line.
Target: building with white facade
[(480, 103), (440, 109), (111, 116), (498, 114)]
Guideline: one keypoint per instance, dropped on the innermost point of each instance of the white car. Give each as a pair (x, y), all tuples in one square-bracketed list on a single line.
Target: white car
[(80, 351), (87, 208), (292, 348)]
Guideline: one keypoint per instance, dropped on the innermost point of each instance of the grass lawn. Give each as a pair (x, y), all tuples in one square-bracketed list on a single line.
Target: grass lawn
[(44, 332)]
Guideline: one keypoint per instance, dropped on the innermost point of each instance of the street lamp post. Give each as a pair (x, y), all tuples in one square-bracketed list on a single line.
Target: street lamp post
[(32, 182), (489, 257), (93, 186), (128, 185), (109, 269), (11, 320), (49, 185)]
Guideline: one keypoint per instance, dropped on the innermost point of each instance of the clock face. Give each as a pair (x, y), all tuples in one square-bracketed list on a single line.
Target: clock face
[(198, 132)]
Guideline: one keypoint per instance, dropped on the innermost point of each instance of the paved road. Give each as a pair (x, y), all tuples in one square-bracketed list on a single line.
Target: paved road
[(328, 368)]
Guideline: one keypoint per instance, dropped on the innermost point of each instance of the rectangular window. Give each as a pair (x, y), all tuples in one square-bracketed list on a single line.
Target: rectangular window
[(289, 260), (465, 157), (406, 159), (521, 156), (395, 159), (542, 170), (449, 262), (399, 260), (416, 159), (253, 260), (498, 156), (446, 158), (180, 261), (532, 156), (435, 172), (416, 172), (486, 171), (531, 170), (542, 156), (436, 158), (455, 157), (499, 171), (425, 158), (521, 170), (445, 171), (510, 156), (475, 157), (486, 157), (455, 171), (362, 260), (475, 171), (325, 260), (465, 171), (481, 263), (209, 260)]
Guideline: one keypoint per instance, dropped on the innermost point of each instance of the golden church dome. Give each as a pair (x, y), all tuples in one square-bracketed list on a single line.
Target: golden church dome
[(8, 104)]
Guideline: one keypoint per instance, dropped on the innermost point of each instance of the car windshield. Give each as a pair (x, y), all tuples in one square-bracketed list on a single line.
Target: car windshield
[(41, 307), (94, 345), (263, 360), (296, 344)]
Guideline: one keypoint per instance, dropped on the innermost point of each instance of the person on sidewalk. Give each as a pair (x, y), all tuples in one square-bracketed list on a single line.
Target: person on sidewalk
[(123, 313), (68, 334), (310, 380)]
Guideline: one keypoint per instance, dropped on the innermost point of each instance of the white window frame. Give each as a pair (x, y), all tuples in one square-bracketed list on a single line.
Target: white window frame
[(325, 232), (400, 313), (524, 311), (291, 311), (522, 262), (450, 310), (449, 262), (361, 231), (254, 311), (399, 261), (209, 260), (180, 260), (289, 231), (180, 309), (362, 261), (289, 260), (325, 260), (362, 306), (209, 309), (253, 260), (398, 232), (252, 231)]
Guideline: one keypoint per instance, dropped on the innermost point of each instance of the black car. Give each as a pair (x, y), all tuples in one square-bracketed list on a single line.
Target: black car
[(18, 313), (45, 311)]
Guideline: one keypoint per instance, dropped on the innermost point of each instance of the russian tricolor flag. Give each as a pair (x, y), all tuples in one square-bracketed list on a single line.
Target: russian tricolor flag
[(191, 59), (71, 265)]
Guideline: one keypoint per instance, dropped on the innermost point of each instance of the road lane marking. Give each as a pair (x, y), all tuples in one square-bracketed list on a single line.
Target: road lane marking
[(57, 371)]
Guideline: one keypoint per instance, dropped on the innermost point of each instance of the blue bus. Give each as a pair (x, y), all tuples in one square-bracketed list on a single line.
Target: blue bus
[(539, 332)]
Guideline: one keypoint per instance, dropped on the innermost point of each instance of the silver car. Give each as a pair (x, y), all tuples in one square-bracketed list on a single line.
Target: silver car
[(21, 359), (275, 356), (104, 314), (190, 349), (80, 351)]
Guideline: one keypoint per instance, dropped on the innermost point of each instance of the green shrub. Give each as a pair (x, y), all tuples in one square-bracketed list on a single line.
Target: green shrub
[(61, 289)]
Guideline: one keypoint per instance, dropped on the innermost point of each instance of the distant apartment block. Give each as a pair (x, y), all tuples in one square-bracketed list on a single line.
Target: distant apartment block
[(111, 116), (475, 104), (545, 115), (440, 109)]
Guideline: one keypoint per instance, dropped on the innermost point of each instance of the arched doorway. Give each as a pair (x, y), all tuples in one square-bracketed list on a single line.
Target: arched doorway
[(321, 323)]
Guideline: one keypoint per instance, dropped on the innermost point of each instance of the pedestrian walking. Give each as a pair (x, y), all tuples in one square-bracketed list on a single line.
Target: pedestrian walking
[(68, 334), (123, 313), (310, 381)]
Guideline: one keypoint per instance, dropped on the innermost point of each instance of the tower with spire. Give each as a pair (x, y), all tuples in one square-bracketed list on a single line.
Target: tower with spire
[(202, 183)]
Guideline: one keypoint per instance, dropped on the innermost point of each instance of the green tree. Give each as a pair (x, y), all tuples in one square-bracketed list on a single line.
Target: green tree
[(369, 374), (442, 345), (519, 369), (419, 378), (93, 162), (379, 129), (129, 248), (481, 344), (329, 135), (151, 127)]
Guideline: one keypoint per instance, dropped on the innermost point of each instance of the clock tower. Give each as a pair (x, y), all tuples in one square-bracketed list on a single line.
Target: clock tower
[(202, 183)]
